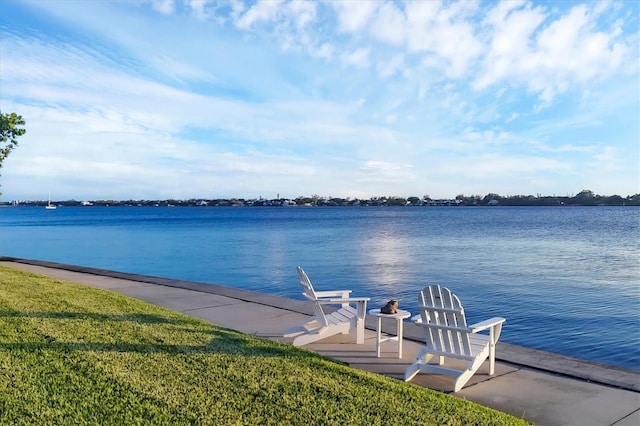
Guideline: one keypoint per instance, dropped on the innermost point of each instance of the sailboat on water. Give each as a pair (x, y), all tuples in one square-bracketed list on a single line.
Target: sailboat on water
[(50, 206)]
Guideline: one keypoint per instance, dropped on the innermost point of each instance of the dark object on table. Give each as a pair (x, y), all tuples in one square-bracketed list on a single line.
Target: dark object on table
[(390, 308)]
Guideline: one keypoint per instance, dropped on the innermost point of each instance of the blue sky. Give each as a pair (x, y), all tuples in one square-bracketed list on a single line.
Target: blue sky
[(218, 99)]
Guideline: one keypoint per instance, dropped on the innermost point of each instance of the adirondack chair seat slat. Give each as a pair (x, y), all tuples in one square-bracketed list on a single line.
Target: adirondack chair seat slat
[(350, 315), (447, 335), (312, 326), (478, 343), (338, 317), (341, 316)]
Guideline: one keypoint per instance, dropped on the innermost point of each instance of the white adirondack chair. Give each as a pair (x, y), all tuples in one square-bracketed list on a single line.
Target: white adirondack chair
[(324, 324), (448, 336)]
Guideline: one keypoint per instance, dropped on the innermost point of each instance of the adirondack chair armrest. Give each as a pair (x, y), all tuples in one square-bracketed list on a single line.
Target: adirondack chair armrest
[(486, 324), (333, 293), (324, 301), (493, 324)]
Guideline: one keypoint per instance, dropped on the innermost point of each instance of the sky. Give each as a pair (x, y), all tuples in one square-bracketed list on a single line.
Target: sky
[(180, 99)]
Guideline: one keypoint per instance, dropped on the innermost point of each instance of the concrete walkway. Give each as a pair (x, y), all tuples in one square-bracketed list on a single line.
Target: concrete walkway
[(543, 388)]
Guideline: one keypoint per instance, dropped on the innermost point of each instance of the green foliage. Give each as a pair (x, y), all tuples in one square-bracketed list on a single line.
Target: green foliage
[(72, 354), (583, 198), (10, 130)]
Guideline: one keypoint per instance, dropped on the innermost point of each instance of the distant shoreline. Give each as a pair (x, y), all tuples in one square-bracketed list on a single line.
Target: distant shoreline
[(249, 204), (585, 198)]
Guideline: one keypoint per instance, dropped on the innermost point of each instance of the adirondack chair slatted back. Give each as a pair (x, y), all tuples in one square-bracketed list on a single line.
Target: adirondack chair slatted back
[(447, 330), (310, 294)]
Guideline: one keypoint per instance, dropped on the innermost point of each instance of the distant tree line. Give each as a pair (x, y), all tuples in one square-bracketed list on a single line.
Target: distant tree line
[(583, 198)]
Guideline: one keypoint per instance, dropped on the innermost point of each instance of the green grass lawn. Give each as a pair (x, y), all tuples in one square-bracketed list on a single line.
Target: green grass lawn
[(72, 354)]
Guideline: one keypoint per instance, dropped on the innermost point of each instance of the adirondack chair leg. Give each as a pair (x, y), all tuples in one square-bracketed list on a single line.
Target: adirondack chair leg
[(422, 359), (494, 335), (309, 336), (470, 371), (305, 339), (492, 358), (424, 356), (462, 380), (412, 371), (293, 332), (359, 331), (361, 312)]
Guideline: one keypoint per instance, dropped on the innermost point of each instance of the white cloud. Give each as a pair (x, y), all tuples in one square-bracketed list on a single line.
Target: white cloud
[(303, 12), (442, 31), (262, 11), (165, 7), (607, 158), (354, 16), (201, 9), (374, 171), (392, 66), (572, 50), (325, 51), (480, 140), (510, 38), (389, 24), (547, 55), (358, 58), (297, 14), (485, 167)]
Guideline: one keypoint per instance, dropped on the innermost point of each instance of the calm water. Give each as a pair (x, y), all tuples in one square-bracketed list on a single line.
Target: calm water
[(566, 279)]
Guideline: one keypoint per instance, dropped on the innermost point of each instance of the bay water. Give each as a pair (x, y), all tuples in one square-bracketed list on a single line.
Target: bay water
[(566, 278)]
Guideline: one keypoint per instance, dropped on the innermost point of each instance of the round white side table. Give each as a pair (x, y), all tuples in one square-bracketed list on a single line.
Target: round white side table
[(398, 316)]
